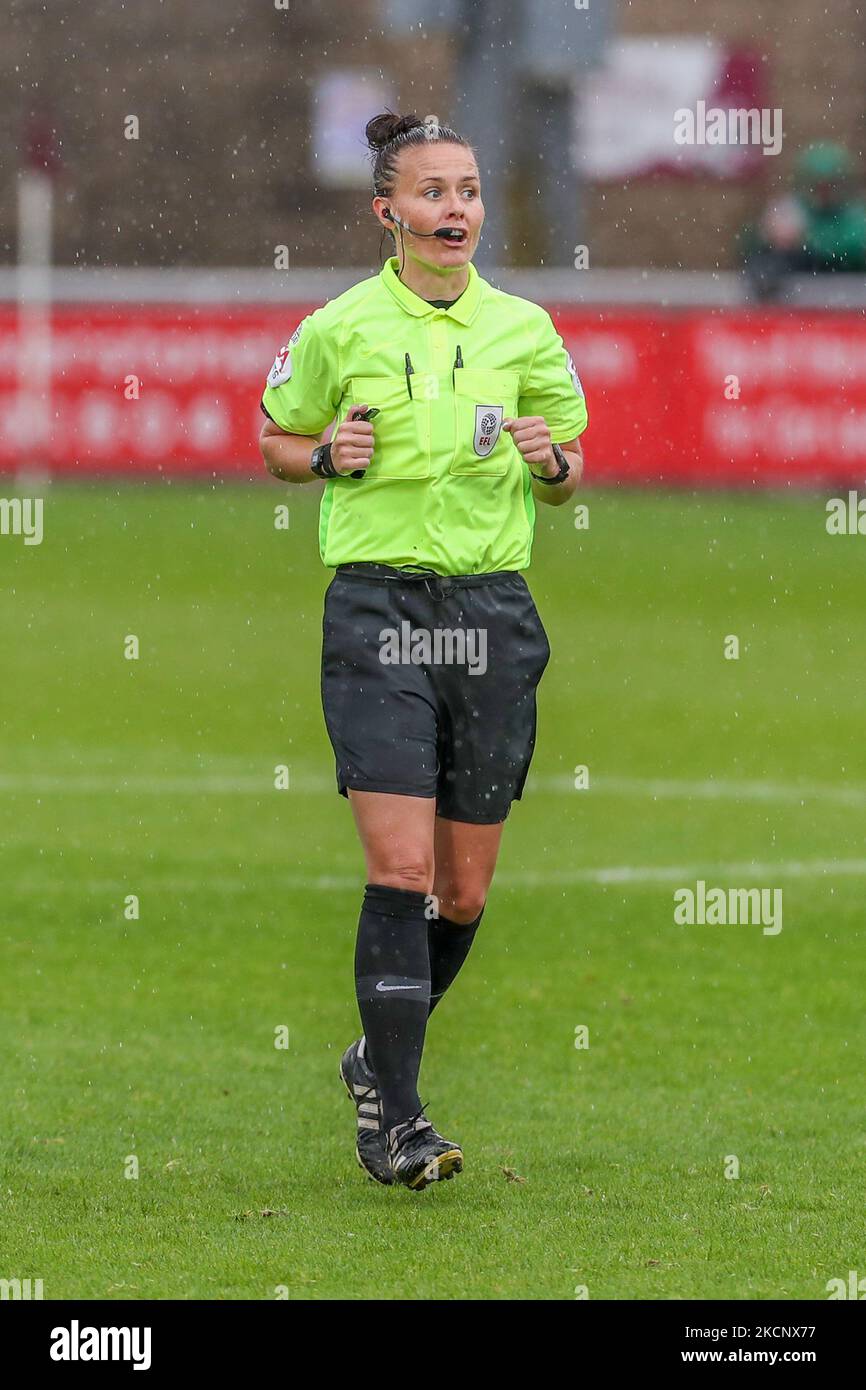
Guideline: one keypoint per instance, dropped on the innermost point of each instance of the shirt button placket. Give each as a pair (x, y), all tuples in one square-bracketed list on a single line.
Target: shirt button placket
[(440, 366), (439, 338)]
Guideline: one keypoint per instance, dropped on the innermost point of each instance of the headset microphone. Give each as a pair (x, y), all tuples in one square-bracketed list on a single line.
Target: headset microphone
[(446, 233)]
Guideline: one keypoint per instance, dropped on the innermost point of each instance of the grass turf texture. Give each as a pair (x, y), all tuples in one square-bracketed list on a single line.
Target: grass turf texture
[(155, 1037)]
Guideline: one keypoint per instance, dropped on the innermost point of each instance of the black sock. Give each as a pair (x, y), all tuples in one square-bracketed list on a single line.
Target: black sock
[(392, 982), (449, 944)]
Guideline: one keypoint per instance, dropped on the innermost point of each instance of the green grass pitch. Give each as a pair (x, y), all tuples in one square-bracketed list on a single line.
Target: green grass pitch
[(601, 1167)]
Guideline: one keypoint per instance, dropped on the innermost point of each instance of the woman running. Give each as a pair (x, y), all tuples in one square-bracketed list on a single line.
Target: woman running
[(457, 408)]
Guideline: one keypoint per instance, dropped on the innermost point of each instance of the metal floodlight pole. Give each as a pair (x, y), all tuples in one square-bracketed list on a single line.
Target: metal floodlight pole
[(519, 66), (547, 151), (35, 223), (487, 86)]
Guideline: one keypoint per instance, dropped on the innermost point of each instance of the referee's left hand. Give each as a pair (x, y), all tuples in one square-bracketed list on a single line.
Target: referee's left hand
[(532, 437)]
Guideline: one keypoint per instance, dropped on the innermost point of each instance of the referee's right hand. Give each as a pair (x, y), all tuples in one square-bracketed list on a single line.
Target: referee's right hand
[(352, 444)]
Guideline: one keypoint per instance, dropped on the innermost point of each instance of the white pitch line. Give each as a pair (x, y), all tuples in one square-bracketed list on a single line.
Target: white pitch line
[(708, 789), (158, 785), (317, 784), (744, 874)]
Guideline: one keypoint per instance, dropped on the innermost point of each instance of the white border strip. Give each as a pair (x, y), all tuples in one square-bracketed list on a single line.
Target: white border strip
[(259, 880), (241, 285), (317, 784)]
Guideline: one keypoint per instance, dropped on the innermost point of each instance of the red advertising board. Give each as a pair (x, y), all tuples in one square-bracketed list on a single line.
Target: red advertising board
[(733, 397), (758, 397)]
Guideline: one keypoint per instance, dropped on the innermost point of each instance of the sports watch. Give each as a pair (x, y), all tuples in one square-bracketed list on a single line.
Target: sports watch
[(563, 468), (320, 462)]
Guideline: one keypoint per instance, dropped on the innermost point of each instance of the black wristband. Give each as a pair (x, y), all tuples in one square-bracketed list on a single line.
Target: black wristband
[(321, 463), (564, 468)]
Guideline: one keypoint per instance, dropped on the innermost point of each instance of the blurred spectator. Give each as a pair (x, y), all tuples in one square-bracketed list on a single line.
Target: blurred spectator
[(817, 228)]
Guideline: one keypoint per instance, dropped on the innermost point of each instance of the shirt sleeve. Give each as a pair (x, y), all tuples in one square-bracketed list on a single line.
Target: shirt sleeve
[(303, 389), (552, 388)]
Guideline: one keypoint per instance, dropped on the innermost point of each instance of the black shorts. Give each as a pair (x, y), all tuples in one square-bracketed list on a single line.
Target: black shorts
[(428, 685)]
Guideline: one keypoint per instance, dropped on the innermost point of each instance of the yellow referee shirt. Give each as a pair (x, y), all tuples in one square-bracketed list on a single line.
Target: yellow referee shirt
[(447, 487)]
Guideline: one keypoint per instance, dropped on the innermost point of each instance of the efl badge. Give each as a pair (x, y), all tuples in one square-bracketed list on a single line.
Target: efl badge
[(572, 371), (488, 423), (281, 371)]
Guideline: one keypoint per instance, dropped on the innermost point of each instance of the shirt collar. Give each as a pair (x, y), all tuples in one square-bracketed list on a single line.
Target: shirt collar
[(463, 310)]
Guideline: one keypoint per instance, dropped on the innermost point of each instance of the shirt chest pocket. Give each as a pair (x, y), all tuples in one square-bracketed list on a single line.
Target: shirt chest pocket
[(401, 430), (483, 398)]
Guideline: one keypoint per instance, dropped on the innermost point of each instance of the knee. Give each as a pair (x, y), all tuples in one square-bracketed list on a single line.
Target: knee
[(463, 907), (414, 874)]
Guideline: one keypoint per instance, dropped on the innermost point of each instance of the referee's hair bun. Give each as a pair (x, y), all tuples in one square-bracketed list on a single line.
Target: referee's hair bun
[(381, 129), (388, 135)]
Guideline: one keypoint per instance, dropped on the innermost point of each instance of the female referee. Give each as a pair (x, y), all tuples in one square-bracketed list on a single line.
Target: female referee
[(458, 408)]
